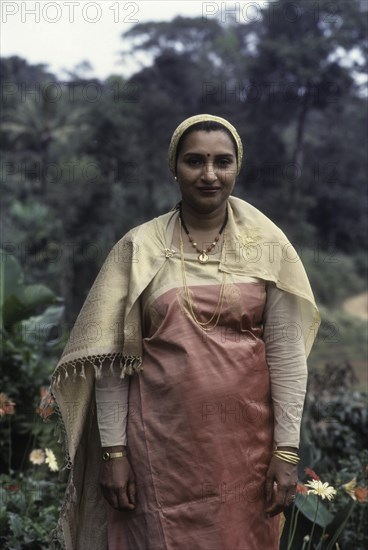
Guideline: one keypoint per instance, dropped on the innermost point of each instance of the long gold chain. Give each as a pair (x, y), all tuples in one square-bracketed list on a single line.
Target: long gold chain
[(218, 310)]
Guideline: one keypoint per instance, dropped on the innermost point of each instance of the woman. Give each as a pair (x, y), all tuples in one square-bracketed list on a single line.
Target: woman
[(209, 309)]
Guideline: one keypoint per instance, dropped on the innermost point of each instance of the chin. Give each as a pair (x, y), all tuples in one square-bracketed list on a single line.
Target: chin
[(208, 206)]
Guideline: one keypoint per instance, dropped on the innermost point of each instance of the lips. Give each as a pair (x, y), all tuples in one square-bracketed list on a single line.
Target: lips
[(208, 189)]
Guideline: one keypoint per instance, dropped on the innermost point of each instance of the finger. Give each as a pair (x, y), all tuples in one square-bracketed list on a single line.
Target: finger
[(290, 495), (123, 500), (274, 510), (269, 488), (278, 504), (132, 491), (290, 491)]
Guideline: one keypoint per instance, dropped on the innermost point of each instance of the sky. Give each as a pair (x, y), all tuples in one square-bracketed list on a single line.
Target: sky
[(64, 33)]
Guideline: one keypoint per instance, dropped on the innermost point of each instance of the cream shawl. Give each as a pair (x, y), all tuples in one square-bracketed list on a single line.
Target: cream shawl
[(108, 331)]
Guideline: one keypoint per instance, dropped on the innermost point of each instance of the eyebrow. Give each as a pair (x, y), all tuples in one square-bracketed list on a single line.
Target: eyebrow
[(195, 154)]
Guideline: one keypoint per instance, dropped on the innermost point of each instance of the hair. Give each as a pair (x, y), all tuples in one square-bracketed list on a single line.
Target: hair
[(206, 126)]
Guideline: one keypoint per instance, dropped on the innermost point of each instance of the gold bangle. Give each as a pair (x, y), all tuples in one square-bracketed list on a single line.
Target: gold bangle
[(291, 458), (291, 453), (287, 453)]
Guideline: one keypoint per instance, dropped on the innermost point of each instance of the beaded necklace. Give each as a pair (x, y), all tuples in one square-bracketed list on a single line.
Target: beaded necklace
[(213, 321), (203, 254)]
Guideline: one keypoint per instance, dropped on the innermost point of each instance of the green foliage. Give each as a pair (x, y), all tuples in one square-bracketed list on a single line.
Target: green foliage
[(30, 497), (29, 509), (355, 535), (30, 316), (19, 301), (337, 415), (333, 276), (341, 336), (313, 509), (334, 435), (311, 519)]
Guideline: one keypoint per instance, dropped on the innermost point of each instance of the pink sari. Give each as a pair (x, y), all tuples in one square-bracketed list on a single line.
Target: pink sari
[(200, 421)]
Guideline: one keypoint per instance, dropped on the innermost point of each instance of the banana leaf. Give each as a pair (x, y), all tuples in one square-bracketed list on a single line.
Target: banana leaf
[(307, 504)]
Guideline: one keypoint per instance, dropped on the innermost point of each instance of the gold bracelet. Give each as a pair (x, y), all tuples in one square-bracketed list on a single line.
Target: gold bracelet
[(108, 456), (287, 453), (286, 456), (286, 459), (290, 453)]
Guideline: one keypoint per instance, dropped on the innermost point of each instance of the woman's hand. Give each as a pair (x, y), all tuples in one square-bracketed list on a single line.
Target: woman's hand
[(117, 482), (286, 476)]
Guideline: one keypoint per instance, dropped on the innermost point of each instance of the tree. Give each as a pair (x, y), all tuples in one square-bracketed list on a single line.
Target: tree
[(302, 51)]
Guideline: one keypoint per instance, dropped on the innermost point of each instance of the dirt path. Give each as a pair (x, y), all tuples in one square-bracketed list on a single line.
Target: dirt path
[(357, 306)]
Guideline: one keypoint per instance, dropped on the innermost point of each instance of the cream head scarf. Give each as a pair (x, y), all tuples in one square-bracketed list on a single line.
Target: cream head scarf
[(187, 123)]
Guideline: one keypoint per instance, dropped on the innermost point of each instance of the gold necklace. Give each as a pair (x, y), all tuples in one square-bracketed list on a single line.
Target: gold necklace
[(218, 310), (203, 253)]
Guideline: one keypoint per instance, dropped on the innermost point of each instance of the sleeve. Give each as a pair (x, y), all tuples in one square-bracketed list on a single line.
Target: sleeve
[(112, 393), (287, 363)]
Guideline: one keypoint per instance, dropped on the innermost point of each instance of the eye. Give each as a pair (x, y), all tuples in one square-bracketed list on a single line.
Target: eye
[(224, 162), (194, 162)]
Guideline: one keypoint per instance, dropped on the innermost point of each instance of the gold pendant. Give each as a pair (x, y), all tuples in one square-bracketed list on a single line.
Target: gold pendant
[(203, 257)]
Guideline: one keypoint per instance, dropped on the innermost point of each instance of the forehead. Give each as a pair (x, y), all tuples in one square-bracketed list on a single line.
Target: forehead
[(202, 142)]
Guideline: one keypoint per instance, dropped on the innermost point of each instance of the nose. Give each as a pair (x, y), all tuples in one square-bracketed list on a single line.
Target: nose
[(209, 174)]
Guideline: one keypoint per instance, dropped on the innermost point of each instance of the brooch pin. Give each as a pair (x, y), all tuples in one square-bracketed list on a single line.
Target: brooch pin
[(249, 236), (169, 253)]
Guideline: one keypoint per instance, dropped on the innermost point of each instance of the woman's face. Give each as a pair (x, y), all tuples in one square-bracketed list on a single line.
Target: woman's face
[(206, 170)]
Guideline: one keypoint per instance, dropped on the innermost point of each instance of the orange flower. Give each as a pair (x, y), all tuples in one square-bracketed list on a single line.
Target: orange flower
[(12, 487), (6, 405), (301, 488), (361, 494), (46, 407), (312, 474), (44, 390)]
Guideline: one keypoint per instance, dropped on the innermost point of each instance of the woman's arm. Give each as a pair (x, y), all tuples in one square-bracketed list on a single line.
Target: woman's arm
[(116, 476), (112, 394), (288, 373), (287, 364)]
